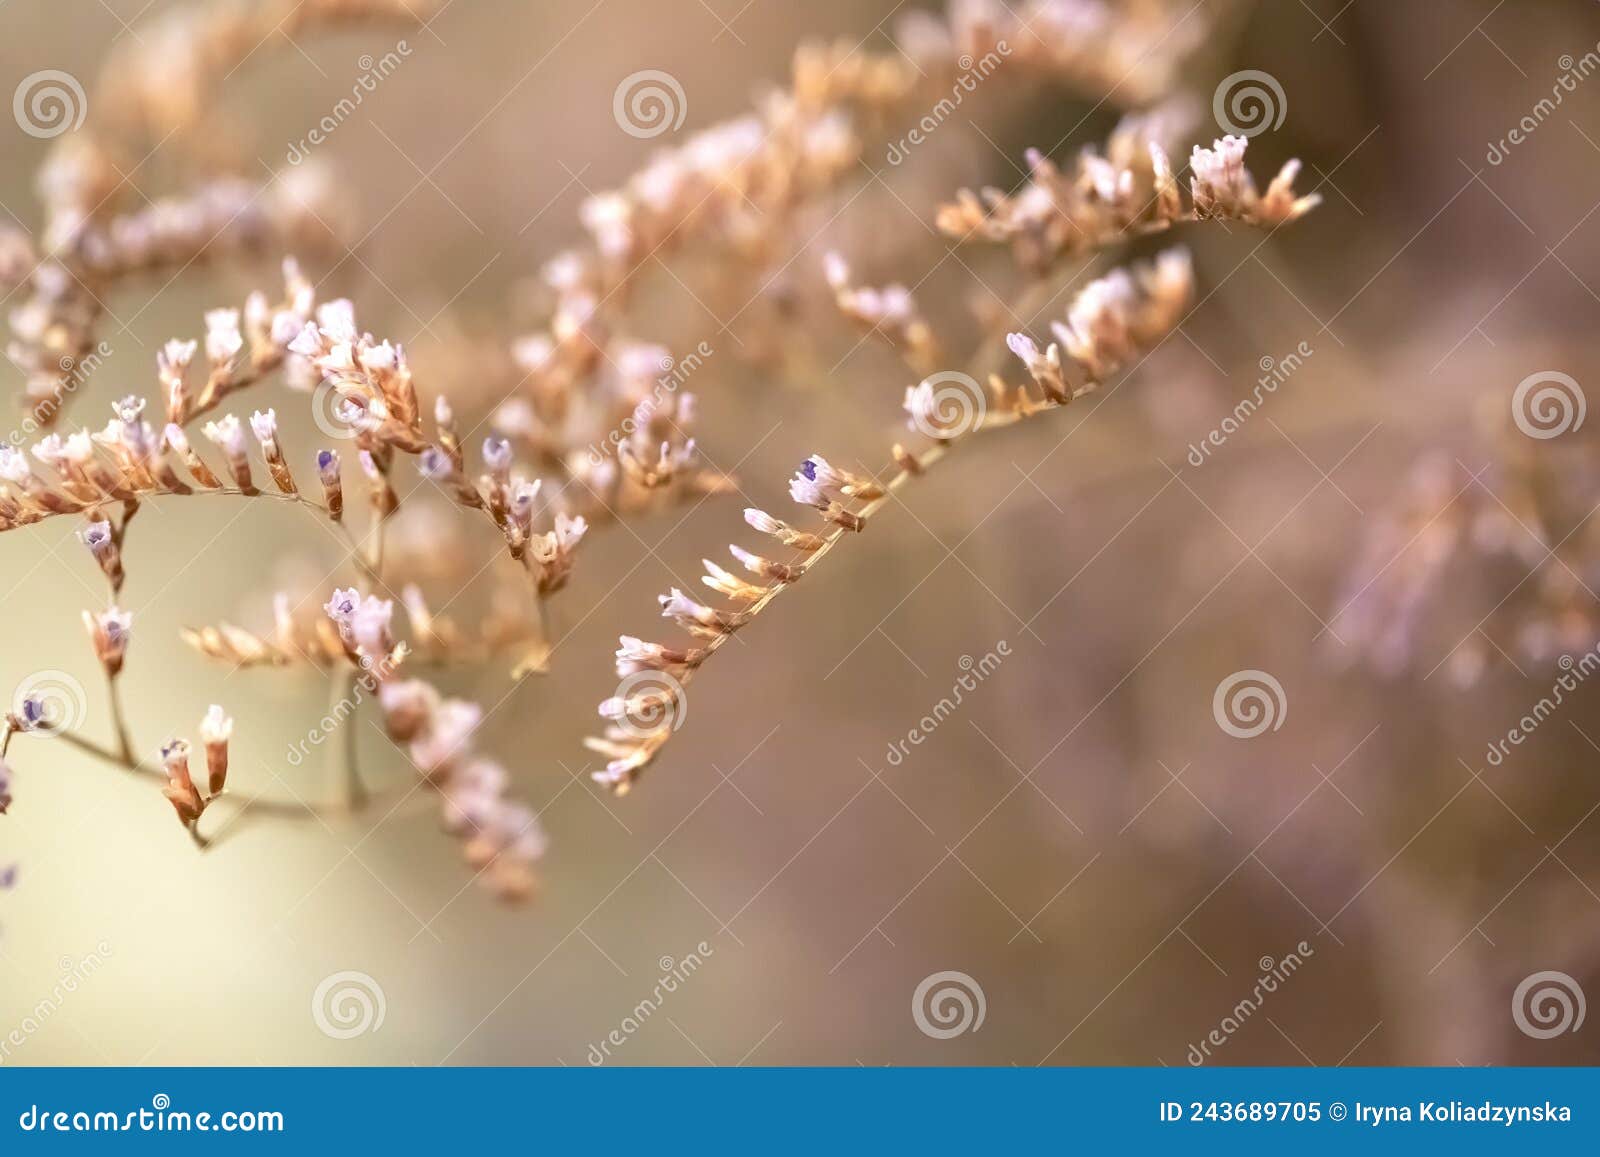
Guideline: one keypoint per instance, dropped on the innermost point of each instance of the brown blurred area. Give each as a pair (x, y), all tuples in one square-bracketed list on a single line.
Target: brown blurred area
[(1080, 838)]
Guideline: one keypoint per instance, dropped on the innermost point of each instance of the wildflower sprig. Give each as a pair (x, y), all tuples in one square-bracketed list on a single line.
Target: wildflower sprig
[(1130, 191), (1111, 321)]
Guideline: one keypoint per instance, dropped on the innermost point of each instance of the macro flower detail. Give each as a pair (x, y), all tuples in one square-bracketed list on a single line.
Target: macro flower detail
[(109, 631), (216, 731), (480, 474)]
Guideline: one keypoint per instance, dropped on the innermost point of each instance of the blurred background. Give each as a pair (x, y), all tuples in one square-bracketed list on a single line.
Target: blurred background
[(1111, 868)]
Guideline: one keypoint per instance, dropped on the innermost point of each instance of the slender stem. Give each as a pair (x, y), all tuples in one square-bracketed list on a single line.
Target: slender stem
[(119, 720), (543, 618), (282, 809), (344, 757)]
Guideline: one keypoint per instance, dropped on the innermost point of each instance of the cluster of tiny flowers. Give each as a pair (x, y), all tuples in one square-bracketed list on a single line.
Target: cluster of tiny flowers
[(1125, 53), (640, 723), (129, 458), (1128, 191), (502, 838), (216, 730), (375, 395), (510, 499), (155, 86), (240, 347), (1109, 322), (647, 459), (1220, 186), (165, 80), (738, 182), (890, 312), (722, 177), (300, 638), (53, 328)]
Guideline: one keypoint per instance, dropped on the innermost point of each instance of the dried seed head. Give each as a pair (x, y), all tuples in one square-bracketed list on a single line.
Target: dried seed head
[(764, 567), (180, 789), (730, 585), (332, 483), (216, 729), (102, 544), (635, 655), (227, 433), (223, 339), (697, 618), (553, 551), (109, 631), (782, 531)]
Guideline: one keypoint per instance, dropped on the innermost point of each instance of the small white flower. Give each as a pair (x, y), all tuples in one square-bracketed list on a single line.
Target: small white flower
[(13, 465), (175, 356), (342, 605), (79, 447), (228, 433), (287, 328), (379, 358), (337, 320), (570, 530), (496, 454), (308, 342), (97, 537), (49, 449), (223, 340), (217, 726), (264, 424)]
